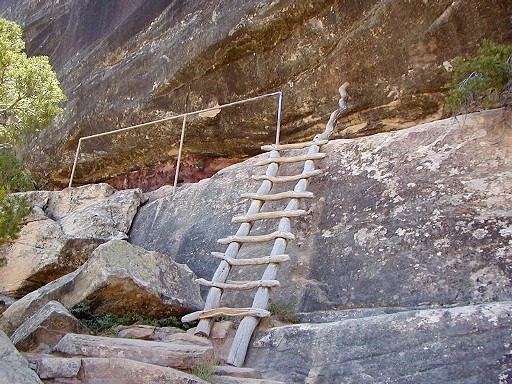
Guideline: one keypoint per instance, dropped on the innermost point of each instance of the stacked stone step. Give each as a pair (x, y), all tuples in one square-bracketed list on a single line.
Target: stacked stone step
[(83, 358)]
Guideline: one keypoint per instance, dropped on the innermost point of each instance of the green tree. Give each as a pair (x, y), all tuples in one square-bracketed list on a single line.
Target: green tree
[(29, 98), (29, 92), (482, 81)]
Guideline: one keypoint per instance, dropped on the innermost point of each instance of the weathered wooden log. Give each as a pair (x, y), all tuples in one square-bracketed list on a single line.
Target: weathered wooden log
[(224, 311), (292, 159), (240, 285), (279, 196), (268, 215), (280, 147), (286, 179), (253, 261), (257, 238)]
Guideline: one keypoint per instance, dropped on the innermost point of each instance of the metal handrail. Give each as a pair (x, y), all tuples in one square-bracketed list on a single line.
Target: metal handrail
[(184, 116)]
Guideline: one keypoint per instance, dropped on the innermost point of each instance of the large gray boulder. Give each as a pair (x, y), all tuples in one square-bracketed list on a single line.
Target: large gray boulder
[(415, 217), (14, 368), (62, 231), (118, 277), (142, 61), (464, 345)]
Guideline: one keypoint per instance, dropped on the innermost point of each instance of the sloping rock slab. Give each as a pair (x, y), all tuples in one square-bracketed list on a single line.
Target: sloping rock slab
[(14, 368), (416, 217), (179, 356), (43, 330), (115, 370), (118, 277), (452, 345), (62, 231), (242, 380)]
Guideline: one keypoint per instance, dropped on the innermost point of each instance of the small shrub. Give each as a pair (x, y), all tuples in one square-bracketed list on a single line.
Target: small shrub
[(12, 211), (479, 82), (13, 178), (12, 208), (285, 312), (204, 368), (108, 322)]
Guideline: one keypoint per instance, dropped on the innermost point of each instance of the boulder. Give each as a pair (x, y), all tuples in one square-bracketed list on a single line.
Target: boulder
[(117, 370), (14, 367), (420, 216), (179, 356), (199, 54), (147, 332), (104, 220), (61, 233), (45, 328), (463, 344), (118, 277), (49, 367)]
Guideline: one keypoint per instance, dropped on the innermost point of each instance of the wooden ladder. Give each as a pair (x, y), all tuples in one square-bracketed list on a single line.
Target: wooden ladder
[(280, 237)]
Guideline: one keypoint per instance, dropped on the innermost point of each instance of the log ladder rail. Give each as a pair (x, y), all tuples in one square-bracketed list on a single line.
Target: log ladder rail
[(280, 237)]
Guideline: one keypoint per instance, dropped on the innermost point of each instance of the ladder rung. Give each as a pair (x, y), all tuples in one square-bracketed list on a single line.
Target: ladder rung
[(292, 159), (257, 238), (253, 261), (240, 285), (224, 311), (278, 196), (268, 215), (286, 179), (279, 147)]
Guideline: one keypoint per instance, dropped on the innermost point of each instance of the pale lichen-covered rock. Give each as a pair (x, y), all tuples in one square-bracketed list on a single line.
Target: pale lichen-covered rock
[(14, 368), (118, 277), (62, 231), (466, 344), (212, 53), (420, 216), (107, 219), (45, 328)]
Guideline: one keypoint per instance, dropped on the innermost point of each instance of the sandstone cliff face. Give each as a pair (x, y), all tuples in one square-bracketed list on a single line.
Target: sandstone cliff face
[(123, 63)]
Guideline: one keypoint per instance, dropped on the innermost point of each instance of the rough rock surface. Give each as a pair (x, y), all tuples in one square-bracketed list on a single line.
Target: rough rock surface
[(45, 328), (465, 344), (415, 217), (118, 277), (147, 332), (14, 367), (179, 356), (113, 370), (62, 231), (122, 64)]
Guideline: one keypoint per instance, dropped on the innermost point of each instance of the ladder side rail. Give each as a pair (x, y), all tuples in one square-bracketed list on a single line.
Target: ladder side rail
[(248, 324), (221, 274)]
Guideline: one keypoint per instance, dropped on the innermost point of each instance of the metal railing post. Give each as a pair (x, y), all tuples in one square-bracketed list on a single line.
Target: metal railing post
[(74, 163), (278, 125), (178, 161)]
